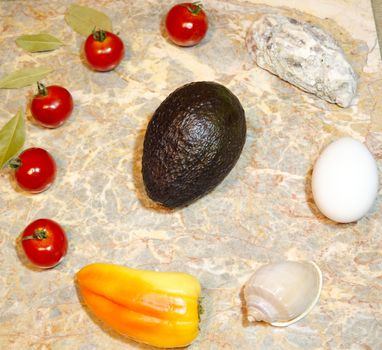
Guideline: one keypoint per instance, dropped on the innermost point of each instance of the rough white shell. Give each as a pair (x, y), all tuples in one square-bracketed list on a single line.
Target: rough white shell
[(304, 55), (282, 293)]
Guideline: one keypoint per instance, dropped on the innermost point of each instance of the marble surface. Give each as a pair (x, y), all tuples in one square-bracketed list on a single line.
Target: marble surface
[(262, 212), (377, 9)]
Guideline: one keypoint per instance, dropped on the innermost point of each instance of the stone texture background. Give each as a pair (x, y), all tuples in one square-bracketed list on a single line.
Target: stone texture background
[(377, 9), (262, 212)]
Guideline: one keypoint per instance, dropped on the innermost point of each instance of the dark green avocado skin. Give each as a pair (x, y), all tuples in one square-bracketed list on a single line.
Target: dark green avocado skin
[(192, 142)]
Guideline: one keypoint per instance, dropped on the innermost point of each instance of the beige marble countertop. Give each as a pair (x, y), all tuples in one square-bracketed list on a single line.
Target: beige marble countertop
[(262, 212), (377, 8)]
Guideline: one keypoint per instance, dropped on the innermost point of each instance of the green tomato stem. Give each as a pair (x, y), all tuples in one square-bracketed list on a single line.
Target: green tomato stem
[(42, 90), (15, 163), (38, 234), (99, 35), (196, 8)]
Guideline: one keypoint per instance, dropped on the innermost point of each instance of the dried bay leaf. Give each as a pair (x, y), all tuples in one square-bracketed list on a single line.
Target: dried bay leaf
[(12, 137), (84, 19), (24, 77), (38, 42)]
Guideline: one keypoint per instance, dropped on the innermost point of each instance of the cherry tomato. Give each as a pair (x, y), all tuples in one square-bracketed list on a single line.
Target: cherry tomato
[(186, 23), (103, 50), (44, 243), (52, 105), (35, 170)]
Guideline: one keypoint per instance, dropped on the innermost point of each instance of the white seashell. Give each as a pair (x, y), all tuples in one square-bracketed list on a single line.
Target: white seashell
[(303, 55), (282, 293)]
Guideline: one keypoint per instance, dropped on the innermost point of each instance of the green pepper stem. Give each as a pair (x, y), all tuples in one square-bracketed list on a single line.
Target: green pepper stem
[(200, 308)]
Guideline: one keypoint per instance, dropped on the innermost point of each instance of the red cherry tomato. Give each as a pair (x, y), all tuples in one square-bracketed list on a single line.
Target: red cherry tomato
[(52, 105), (44, 243), (103, 50), (35, 170), (186, 24)]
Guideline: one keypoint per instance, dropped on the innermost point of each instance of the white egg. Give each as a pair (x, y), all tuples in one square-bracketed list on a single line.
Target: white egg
[(345, 180)]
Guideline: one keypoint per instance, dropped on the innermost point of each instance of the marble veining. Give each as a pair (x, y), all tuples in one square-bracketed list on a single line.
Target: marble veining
[(262, 212)]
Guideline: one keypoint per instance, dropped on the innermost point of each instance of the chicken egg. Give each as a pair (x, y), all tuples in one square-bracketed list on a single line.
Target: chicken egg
[(345, 180)]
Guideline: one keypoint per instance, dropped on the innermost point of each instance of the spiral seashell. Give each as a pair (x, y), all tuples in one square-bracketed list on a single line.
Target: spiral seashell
[(282, 293)]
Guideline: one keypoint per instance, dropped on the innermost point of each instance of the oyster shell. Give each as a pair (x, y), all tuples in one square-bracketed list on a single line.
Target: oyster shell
[(303, 55), (282, 293)]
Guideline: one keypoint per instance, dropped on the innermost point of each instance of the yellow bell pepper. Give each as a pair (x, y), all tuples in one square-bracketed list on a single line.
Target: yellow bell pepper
[(156, 308)]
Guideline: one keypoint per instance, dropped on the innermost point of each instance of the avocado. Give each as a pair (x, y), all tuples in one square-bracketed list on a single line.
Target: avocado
[(192, 142)]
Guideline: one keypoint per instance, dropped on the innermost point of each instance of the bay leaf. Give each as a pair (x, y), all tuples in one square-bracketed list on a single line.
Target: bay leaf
[(84, 19), (38, 42), (12, 137), (24, 77)]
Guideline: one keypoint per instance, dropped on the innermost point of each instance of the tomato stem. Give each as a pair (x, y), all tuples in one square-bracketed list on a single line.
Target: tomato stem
[(15, 163), (38, 234), (195, 8), (99, 35), (42, 90)]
